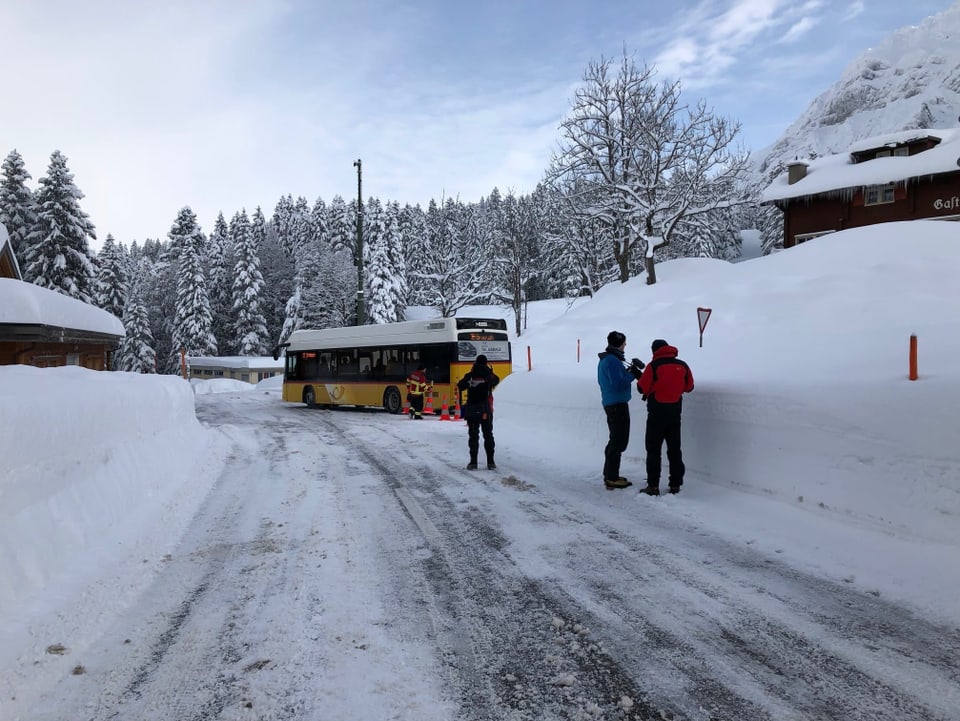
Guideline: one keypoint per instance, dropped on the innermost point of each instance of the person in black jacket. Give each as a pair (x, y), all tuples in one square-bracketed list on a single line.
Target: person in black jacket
[(479, 383)]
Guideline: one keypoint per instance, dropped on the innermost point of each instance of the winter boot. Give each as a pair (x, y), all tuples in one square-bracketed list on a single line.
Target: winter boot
[(651, 490), (472, 465), (619, 482), (491, 466)]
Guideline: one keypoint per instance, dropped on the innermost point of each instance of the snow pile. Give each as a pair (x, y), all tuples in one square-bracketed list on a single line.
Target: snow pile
[(95, 465)]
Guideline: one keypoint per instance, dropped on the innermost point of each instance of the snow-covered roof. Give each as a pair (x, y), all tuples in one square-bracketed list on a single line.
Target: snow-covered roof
[(892, 139), (23, 303), (235, 361), (837, 172)]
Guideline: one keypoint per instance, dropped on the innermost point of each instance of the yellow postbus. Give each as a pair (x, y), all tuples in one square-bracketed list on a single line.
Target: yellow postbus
[(368, 365)]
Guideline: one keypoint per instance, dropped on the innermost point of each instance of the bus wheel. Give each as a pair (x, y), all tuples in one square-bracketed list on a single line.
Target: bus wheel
[(391, 400), (309, 398)]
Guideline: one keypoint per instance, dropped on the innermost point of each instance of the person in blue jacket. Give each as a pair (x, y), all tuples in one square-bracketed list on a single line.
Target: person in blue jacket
[(616, 376)]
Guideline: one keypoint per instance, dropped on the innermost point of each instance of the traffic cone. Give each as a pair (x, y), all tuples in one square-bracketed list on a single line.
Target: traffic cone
[(456, 410), (444, 411), (428, 409)]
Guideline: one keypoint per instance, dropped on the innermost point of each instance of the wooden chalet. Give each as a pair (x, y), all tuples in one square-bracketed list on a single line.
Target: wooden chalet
[(43, 328), (910, 175)]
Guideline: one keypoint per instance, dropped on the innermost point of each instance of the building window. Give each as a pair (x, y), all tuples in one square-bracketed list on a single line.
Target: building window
[(878, 194), (902, 152), (804, 237), (883, 154)]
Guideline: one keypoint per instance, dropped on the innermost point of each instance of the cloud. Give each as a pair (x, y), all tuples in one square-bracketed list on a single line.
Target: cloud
[(854, 10), (223, 106), (799, 29), (707, 43)]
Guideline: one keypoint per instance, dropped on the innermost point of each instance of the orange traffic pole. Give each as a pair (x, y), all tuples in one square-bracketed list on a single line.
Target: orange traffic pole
[(529, 360), (913, 357), (578, 350)]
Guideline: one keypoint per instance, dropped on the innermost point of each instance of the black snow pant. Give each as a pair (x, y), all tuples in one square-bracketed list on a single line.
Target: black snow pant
[(618, 421), (474, 426), (663, 424), (416, 404)]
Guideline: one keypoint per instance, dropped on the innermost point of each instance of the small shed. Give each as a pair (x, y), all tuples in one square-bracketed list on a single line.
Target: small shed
[(43, 328), (251, 369)]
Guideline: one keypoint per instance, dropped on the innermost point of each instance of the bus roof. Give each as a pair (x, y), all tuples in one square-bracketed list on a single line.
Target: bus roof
[(431, 330)]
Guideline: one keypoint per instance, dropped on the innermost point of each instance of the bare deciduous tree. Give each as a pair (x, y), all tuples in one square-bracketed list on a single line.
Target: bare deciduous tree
[(637, 159)]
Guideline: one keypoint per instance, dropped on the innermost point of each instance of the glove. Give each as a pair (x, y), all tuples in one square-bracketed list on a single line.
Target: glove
[(636, 368)]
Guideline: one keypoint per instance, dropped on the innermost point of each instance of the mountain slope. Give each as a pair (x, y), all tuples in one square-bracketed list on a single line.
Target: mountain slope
[(911, 80)]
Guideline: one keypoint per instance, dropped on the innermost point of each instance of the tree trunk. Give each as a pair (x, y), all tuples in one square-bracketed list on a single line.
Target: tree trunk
[(651, 271)]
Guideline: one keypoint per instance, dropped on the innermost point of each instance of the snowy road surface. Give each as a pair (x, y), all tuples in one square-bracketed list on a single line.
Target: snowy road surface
[(345, 566)]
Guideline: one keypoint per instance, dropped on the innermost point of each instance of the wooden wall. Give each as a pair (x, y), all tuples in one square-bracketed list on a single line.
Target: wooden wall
[(49, 355), (938, 197)]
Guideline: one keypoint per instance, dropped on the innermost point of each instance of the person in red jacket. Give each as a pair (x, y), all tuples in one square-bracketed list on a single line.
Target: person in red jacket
[(417, 385), (662, 384)]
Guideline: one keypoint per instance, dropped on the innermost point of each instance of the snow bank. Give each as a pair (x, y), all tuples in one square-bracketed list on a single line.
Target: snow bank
[(86, 457), (801, 392)]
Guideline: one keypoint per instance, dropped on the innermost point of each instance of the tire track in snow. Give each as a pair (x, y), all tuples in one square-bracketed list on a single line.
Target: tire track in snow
[(799, 644)]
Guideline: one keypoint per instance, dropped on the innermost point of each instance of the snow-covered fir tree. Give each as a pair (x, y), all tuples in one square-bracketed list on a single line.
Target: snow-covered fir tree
[(283, 223), (319, 221), (17, 207), (342, 225), (302, 223), (396, 258), (250, 329), (379, 302), (219, 263), (137, 354), (193, 321), (58, 253), (258, 228), (329, 299), (158, 289), (112, 278), (278, 269), (413, 240)]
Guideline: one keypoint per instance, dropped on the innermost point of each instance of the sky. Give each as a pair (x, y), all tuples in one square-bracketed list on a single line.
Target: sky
[(804, 439), (223, 106)]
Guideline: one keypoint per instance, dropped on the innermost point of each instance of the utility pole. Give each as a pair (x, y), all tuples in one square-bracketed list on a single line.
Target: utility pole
[(360, 318)]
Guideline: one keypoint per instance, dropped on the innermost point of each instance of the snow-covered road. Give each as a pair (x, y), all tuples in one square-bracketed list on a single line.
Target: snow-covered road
[(345, 566)]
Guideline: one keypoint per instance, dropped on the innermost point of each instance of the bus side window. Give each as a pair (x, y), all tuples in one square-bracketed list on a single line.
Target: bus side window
[(394, 365), (308, 369), (348, 367), (378, 369), (437, 358), (325, 373)]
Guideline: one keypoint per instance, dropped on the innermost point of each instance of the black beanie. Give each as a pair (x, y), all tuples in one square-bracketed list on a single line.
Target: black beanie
[(481, 360), (658, 344), (615, 339)]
